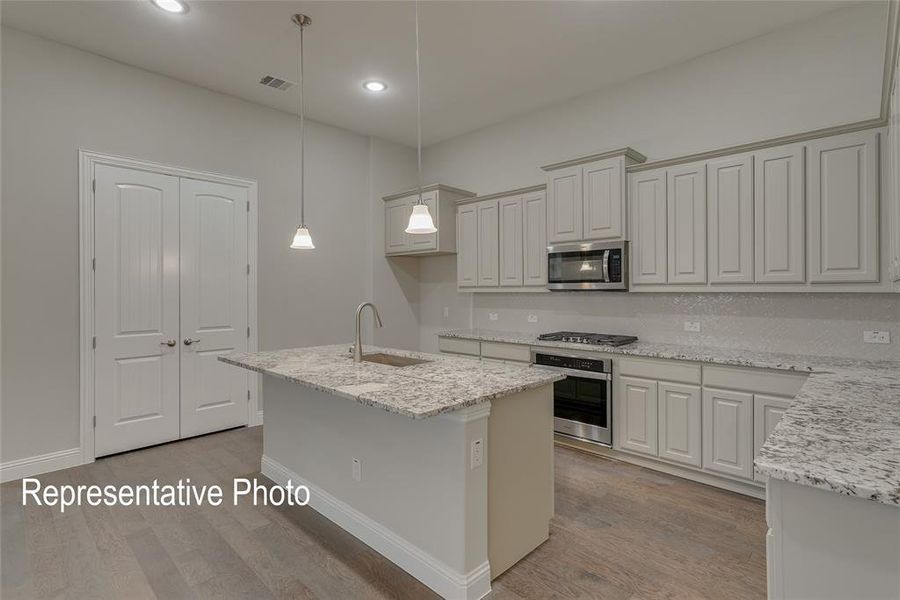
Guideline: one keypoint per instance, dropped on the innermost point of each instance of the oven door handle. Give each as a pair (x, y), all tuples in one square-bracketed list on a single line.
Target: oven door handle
[(577, 373), (606, 265)]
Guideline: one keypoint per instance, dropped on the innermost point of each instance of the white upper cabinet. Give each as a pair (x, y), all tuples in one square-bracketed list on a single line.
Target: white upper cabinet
[(778, 203), (510, 246), (534, 229), (488, 243), (686, 205), (648, 231), (603, 185), (467, 242), (843, 208), (730, 219), (441, 203), (564, 205)]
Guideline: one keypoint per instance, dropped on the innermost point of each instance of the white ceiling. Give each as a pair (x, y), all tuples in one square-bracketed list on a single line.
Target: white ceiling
[(482, 62)]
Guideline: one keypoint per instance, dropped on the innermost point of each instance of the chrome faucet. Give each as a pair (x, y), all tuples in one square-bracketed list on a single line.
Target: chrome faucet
[(357, 347)]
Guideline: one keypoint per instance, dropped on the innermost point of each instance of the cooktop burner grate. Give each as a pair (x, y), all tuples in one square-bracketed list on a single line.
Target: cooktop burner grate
[(596, 339)]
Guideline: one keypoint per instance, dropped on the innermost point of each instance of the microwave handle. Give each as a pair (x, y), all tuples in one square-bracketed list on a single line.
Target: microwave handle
[(606, 265)]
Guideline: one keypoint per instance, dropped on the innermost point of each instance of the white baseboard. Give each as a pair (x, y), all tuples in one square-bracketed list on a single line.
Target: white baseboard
[(36, 465), (432, 572)]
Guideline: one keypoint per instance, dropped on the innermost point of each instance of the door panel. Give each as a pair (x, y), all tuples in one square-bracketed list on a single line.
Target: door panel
[(679, 423), (534, 214), (564, 205), (395, 221), (488, 243), (467, 246), (727, 432), (730, 212), (213, 305), (637, 415), (778, 206), (135, 309), (511, 241), (603, 200), (648, 216), (686, 204)]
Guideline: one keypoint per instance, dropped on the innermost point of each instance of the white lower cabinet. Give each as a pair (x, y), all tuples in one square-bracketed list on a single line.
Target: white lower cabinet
[(727, 432), (679, 423), (636, 429), (767, 412)]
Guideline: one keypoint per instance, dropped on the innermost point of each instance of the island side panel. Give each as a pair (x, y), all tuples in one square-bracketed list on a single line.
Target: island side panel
[(418, 502), (520, 476)]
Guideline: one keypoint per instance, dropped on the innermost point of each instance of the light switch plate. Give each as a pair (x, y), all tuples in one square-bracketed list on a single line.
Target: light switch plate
[(532, 318), (477, 454), (877, 337), (446, 311), (693, 326)]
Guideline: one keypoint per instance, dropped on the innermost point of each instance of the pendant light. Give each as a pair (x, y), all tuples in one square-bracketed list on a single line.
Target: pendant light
[(302, 239), (420, 221)]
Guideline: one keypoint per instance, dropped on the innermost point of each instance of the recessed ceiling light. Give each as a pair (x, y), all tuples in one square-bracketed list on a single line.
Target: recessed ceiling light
[(172, 6), (375, 86)]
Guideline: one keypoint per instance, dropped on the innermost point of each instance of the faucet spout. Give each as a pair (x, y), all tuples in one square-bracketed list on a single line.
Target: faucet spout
[(357, 346)]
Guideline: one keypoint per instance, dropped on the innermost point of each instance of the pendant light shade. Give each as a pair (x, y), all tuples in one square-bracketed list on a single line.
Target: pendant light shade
[(420, 220), (302, 240)]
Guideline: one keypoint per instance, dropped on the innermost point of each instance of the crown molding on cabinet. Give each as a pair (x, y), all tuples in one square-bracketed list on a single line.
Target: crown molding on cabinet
[(515, 192), (429, 188), (627, 152)]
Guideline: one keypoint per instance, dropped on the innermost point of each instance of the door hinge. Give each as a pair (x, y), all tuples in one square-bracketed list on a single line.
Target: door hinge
[(248, 332), (248, 206), (248, 395), (93, 264), (94, 342), (248, 268), (94, 185), (95, 420)]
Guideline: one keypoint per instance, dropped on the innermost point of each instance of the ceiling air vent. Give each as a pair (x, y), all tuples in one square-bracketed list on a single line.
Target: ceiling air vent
[(276, 82)]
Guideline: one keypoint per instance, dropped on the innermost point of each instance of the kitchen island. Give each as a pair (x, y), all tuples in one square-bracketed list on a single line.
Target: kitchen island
[(444, 465)]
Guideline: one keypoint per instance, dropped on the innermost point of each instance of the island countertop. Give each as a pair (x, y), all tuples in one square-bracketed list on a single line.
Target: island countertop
[(441, 385), (841, 432)]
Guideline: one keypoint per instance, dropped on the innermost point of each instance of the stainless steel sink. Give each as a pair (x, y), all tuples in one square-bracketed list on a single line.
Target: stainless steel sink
[(392, 359)]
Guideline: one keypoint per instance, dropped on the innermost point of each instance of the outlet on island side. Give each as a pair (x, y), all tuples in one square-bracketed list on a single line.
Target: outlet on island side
[(532, 318), (693, 326), (476, 455), (357, 469), (493, 316)]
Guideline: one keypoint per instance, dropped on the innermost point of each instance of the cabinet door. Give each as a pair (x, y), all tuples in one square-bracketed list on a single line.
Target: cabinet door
[(730, 219), (727, 432), (679, 423), (636, 429), (893, 138), (488, 243), (686, 205), (564, 205), (396, 218), (534, 225), (843, 208), (648, 231), (604, 200), (778, 201), (467, 245), (422, 242), (767, 412), (511, 241)]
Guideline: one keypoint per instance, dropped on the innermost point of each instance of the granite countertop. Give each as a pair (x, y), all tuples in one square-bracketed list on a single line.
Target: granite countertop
[(841, 432), (442, 385)]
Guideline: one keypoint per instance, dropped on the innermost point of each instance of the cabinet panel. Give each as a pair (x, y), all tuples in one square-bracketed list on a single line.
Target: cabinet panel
[(637, 415), (648, 232), (893, 139), (767, 412), (843, 208), (564, 205), (428, 241), (730, 219), (727, 432), (679, 423), (534, 225), (779, 214), (396, 218), (467, 245), (686, 205), (511, 241), (488, 243), (603, 199)]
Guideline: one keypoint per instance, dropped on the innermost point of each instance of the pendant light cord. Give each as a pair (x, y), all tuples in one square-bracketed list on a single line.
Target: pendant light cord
[(418, 111), (302, 137)]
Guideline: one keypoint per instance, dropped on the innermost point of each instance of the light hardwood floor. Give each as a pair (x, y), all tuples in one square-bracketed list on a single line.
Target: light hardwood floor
[(620, 532)]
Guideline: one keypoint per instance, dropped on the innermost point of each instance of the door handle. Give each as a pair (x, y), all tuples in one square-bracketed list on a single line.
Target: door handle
[(169, 343), (189, 341)]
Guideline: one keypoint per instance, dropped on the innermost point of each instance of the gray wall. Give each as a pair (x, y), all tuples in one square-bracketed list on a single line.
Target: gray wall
[(55, 100), (820, 73)]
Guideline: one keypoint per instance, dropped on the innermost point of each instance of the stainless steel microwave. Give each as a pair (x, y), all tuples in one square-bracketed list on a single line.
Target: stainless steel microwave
[(588, 266)]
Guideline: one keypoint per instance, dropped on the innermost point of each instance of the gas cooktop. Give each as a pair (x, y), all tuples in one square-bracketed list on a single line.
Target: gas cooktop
[(596, 339)]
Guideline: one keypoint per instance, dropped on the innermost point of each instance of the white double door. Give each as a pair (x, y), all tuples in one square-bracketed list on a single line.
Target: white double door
[(170, 296)]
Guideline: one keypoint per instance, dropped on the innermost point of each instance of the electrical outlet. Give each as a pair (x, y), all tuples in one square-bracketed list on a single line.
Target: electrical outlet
[(492, 316), (446, 311), (877, 337), (692, 326), (476, 456), (357, 470), (532, 318)]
